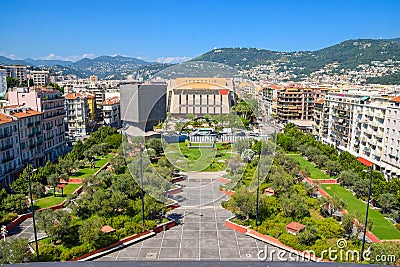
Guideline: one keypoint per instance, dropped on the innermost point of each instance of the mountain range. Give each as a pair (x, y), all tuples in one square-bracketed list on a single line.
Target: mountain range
[(348, 55)]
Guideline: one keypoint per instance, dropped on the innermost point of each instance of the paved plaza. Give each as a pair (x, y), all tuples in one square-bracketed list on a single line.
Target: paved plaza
[(25, 230), (201, 233)]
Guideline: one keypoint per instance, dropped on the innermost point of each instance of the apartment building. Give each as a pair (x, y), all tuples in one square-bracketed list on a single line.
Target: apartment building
[(51, 103), (3, 82), (362, 125), (10, 157), (39, 77), (320, 125), (391, 155), (17, 72), (30, 133), (111, 112), (77, 114), (294, 103)]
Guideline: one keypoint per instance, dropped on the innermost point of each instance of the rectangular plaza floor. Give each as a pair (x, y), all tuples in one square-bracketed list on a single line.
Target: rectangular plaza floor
[(201, 234)]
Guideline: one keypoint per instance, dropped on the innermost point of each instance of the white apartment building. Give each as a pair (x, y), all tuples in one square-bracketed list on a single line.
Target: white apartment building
[(3, 82), (356, 123), (17, 72), (77, 114), (111, 112), (391, 154), (39, 77)]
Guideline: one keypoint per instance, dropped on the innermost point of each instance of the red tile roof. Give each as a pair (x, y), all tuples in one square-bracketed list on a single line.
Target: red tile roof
[(295, 226), (396, 99), (111, 101), (73, 96), (107, 229), (27, 113), (5, 118)]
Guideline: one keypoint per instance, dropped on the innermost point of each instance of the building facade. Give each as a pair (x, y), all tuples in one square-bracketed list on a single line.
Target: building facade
[(200, 96), (111, 112), (77, 114), (17, 72), (10, 156), (391, 153), (39, 77), (51, 103), (143, 105), (30, 133), (3, 82)]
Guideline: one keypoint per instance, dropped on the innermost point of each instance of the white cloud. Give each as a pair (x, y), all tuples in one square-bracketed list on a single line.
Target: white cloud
[(11, 56), (172, 59), (73, 58)]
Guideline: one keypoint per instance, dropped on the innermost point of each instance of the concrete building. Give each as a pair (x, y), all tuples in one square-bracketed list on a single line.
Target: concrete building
[(39, 77), (51, 104), (92, 107), (391, 153), (320, 125), (362, 125), (30, 133), (295, 103), (77, 114), (143, 105), (3, 82), (17, 72), (10, 156), (200, 96), (111, 112)]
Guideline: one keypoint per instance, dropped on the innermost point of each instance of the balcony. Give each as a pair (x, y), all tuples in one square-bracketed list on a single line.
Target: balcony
[(7, 159), (37, 123), (6, 146), (30, 124)]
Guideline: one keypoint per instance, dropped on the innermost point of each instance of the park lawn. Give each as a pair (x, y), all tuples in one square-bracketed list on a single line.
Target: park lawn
[(87, 171), (197, 159), (315, 173), (51, 200), (381, 227)]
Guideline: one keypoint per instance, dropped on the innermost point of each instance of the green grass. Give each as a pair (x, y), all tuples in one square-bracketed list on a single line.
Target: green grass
[(315, 173), (381, 227), (51, 200), (87, 171), (197, 159)]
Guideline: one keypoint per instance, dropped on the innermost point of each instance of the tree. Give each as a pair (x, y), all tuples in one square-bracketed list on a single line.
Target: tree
[(55, 223), (66, 165), (13, 250), (12, 82), (247, 155), (332, 167), (348, 224), (244, 200), (114, 141), (15, 203), (53, 180), (348, 178), (387, 202), (118, 164), (156, 144), (90, 232)]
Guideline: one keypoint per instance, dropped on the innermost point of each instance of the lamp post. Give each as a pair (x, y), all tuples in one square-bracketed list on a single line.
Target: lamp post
[(366, 213), (141, 182), (258, 186), (33, 211)]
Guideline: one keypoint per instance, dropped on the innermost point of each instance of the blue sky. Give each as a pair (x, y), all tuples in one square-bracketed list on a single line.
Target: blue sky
[(176, 30)]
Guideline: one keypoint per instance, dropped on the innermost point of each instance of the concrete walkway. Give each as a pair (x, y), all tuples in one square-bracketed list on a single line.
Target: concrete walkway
[(201, 234)]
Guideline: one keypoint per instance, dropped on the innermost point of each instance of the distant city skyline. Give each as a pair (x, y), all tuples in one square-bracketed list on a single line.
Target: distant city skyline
[(175, 31)]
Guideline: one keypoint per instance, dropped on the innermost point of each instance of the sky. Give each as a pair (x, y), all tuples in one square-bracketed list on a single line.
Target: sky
[(174, 31)]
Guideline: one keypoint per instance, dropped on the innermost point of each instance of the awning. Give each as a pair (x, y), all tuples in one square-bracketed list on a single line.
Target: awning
[(364, 98), (365, 162)]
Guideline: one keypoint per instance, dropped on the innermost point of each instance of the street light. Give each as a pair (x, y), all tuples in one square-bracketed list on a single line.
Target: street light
[(141, 181), (368, 164), (33, 211), (258, 185)]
